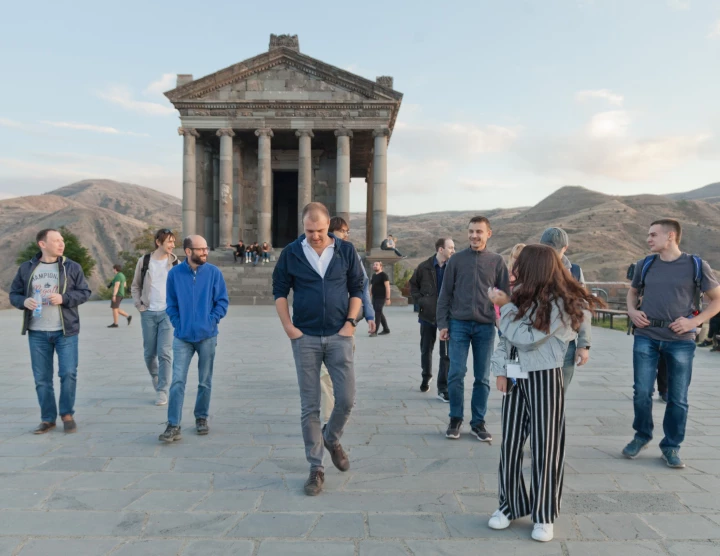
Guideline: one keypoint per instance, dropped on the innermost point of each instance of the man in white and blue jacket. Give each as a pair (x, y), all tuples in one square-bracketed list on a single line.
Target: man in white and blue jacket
[(326, 277), (197, 299)]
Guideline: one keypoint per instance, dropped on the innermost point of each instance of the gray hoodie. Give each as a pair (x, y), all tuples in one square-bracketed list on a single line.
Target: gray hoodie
[(142, 298)]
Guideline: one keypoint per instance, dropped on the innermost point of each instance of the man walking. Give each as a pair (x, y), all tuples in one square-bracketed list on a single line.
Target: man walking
[(578, 351), (150, 296), (670, 284), (48, 289), (326, 278), (118, 294), (197, 300), (466, 316), (380, 289), (425, 285)]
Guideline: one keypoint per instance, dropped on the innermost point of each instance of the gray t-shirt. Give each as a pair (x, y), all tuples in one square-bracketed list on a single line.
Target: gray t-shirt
[(669, 293), (46, 277)]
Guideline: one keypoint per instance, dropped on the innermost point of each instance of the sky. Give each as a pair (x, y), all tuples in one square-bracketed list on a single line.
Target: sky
[(504, 102)]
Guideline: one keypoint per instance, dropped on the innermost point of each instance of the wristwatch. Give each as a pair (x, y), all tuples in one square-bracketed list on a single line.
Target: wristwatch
[(352, 321)]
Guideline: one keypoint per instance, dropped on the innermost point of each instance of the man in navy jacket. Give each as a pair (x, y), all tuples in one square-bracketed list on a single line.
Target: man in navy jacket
[(197, 299), (325, 275)]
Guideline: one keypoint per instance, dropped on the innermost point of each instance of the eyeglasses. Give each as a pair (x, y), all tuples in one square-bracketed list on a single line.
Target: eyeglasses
[(199, 248)]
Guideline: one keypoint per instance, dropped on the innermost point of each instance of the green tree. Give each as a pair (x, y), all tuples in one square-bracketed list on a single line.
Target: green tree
[(74, 250), (402, 275)]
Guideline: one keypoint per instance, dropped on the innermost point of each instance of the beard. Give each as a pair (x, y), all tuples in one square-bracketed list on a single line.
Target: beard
[(196, 259)]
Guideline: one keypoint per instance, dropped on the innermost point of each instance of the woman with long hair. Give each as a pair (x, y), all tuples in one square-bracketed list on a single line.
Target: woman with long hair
[(539, 318)]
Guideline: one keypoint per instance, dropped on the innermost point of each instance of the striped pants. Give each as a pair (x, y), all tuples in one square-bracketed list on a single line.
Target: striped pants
[(534, 407)]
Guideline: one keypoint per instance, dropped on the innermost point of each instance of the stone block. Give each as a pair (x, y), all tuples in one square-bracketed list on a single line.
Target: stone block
[(76, 547), (167, 501), (92, 500), (621, 502), (693, 548), (273, 525), (188, 524), (176, 481), (72, 524), (360, 501), (148, 548), (639, 548), (230, 501), (466, 548), (688, 526), (308, 548), (623, 527), (219, 548), (22, 499), (340, 525), (412, 526)]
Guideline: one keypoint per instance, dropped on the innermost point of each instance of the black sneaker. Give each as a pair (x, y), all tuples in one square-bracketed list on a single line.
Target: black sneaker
[(425, 386), (481, 432), (443, 397), (384, 332), (202, 426), (112, 326), (171, 434), (129, 319), (453, 430), (315, 482)]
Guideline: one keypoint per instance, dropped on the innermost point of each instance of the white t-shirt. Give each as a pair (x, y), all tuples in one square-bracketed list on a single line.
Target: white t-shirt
[(319, 262), (46, 276), (158, 271)]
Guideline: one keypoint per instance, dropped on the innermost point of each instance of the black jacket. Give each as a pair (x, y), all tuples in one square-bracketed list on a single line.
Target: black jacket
[(72, 285), (424, 289)]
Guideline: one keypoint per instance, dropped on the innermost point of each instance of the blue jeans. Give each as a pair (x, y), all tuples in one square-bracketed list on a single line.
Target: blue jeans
[(157, 335), (464, 333), (43, 345), (568, 368), (678, 358), (182, 355)]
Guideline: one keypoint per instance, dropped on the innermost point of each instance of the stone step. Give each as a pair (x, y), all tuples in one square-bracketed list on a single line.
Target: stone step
[(252, 300)]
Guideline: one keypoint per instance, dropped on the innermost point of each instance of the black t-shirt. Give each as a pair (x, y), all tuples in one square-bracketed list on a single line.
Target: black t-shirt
[(378, 284)]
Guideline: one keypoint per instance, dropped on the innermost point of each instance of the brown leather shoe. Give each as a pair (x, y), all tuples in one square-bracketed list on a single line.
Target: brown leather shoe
[(338, 455), (44, 427), (315, 482), (70, 425)]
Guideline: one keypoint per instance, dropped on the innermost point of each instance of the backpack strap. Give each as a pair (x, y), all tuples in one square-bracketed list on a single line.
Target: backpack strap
[(143, 270), (697, 279), (647, 263)]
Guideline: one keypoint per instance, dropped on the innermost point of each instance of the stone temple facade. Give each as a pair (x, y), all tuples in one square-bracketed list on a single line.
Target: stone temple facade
[(266, 136)]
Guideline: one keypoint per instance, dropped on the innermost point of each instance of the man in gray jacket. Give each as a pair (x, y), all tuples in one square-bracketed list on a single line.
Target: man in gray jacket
[(148, 291), (465, 316), (578, 351)]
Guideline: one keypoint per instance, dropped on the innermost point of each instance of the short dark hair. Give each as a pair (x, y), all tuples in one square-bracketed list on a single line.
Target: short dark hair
[(42, 234), (337, 222), (315, 207), (480, 220), (187, 243), (162, 234), (117, 267), (440, 244), (670, 225)]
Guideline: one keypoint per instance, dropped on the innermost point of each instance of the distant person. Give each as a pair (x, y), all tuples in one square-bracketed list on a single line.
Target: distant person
[(255, 254), (466, 316), (425, 285), (239, 251), (322, 271), (197, 300), (48, 289), (578, 351), (514, 254), (248, 252), (150, 296), (266, 252), (670, 284), (389, 244), (380, 288), (118, 294)]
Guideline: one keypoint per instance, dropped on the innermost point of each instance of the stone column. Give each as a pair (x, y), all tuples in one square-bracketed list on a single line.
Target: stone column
[(207, 230), (379, 206), (188, 201), (226, 184), (213, 242), (238, 228), (342, 181), (304, 173), (368, 210), (264, 189)]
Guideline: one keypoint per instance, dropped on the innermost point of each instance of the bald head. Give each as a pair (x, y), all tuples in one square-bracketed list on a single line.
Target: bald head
[(194, 241), (196, 250)]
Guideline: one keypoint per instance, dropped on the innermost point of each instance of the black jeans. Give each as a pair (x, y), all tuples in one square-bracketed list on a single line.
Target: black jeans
[(662, 379), (428, 335), (378, 306)]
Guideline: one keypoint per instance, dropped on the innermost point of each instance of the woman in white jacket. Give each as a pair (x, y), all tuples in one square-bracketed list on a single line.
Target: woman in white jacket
[(537, 321)]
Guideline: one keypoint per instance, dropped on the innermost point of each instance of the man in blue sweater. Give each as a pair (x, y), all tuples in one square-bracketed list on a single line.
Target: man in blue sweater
[(326, 277), (196, 299)]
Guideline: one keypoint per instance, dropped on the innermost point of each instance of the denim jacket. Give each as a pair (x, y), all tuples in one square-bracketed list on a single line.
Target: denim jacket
[(537, 350)]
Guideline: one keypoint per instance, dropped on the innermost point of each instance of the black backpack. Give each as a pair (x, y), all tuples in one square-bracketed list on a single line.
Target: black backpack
[(575, 271), (144, 269)]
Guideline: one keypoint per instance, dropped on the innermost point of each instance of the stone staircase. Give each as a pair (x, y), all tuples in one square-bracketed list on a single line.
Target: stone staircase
[(246, 284)]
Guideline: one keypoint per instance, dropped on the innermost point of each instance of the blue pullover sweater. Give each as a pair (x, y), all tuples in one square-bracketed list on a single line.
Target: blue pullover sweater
[(320, 305)]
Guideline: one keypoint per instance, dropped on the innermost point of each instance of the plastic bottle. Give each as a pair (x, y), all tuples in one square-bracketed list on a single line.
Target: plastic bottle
[(39, 301)]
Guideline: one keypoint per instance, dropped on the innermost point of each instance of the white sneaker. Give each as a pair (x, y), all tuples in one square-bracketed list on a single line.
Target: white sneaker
[(543, 532), (161, 398), (499, 521)]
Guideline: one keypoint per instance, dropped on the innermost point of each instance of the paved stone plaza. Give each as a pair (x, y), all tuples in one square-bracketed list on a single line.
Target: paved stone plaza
[(112, 488)]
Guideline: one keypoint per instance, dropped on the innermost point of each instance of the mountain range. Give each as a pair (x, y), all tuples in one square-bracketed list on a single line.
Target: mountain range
[(606, 232)]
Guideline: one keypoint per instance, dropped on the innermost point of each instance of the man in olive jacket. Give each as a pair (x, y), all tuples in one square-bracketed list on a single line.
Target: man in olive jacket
[(425, 285)]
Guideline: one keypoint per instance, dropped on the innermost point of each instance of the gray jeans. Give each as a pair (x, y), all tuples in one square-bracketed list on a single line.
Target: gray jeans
[(157, 335), (568, 369), (337, 353)]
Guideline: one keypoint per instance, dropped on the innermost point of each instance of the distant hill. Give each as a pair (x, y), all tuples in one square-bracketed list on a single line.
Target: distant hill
[(709, 193), (104, 214)]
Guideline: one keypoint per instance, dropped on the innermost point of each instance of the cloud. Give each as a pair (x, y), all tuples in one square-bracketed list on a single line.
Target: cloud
[(5, 122), (609, 124), (160, 86), (715, 30), (93, 128), (613, 98), (678, 5), (122, 96)]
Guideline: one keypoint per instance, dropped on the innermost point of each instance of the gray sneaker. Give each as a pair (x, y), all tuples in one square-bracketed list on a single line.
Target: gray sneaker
[(161, 398), (672, 458), (202, 426), (635, 446), (171, 434)]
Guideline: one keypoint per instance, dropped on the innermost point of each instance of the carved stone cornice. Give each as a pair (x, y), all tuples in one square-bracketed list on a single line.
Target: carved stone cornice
[(382, 132), (343, 132), (264, 132), (225, 131), (188, 131), (304, 133)]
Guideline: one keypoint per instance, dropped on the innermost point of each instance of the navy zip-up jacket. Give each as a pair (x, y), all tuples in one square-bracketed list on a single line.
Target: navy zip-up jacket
[(196, 301), (72, 285), (320, 305)]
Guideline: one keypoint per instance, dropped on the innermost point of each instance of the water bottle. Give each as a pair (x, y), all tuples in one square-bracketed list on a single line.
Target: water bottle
[(37, 312)]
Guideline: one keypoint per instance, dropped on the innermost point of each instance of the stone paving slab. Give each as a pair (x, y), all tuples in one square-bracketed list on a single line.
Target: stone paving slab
[(112, 488)]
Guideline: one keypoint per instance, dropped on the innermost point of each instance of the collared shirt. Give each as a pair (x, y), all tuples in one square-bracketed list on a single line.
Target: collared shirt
[(319, 263)]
